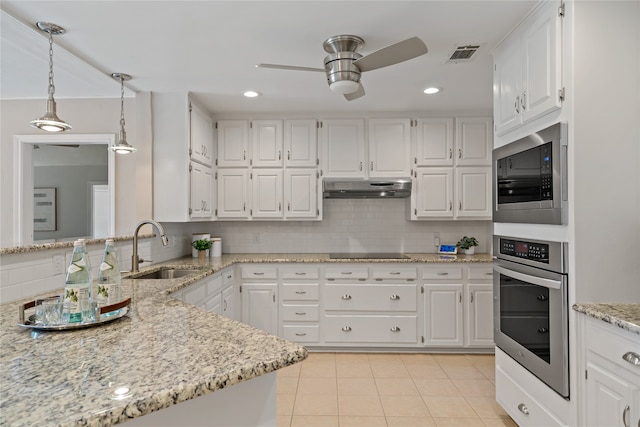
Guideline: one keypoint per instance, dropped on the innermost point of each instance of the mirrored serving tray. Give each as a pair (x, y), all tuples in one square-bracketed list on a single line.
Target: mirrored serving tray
[(30, 322)]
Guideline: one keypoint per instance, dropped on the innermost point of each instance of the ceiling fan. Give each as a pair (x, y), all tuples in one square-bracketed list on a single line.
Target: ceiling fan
[(344, 65)]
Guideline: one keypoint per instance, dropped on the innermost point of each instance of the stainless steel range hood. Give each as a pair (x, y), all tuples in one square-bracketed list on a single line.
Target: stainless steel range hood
[(334, 188)]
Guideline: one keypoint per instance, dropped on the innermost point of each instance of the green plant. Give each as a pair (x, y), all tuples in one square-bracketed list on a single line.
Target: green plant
[(202, 245), (467, 242)]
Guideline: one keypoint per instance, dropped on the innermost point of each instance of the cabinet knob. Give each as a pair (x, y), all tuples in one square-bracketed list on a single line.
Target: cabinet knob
[(459, 153), (632, 358), (523, 408), (279, 155), (394, 297), (360, 165), (346, 297), (346, 328), (372, 165), (450, 153), (289, 155), (395, 329)]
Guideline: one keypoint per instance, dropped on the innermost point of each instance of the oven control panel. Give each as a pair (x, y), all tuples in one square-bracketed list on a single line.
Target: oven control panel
[(528, 250)]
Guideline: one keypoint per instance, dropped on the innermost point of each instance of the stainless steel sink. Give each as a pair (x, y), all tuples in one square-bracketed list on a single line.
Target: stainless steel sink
[(167, 273)]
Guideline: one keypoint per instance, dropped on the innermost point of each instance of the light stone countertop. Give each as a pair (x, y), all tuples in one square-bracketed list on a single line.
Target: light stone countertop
[(625, 316), (163, 350)]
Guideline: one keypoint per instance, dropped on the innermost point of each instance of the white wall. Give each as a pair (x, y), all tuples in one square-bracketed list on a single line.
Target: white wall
[(133, 176)]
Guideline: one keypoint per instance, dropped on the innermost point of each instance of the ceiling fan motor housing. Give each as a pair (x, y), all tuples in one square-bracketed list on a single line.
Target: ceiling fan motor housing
[(340, 67)]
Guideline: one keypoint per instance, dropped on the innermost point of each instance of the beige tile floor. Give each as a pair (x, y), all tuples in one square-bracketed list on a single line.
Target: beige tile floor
[(390, 390)]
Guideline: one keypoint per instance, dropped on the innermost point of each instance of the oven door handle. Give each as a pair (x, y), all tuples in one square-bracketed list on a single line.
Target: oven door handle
[(547, 283)]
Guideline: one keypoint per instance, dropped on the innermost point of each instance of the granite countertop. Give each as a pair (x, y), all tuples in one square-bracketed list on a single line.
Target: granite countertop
[(625, 316), (164, 351)]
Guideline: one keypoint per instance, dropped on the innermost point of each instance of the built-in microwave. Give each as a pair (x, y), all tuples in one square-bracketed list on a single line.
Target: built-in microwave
[(530, 178)]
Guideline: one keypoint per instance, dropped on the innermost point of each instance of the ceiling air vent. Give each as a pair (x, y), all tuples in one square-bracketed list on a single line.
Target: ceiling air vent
[(463, 54)]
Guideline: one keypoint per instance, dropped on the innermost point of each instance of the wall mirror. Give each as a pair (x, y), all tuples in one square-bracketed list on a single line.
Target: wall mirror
[(64, 187)]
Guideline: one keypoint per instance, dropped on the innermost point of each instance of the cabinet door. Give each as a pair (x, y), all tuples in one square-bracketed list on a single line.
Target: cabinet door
[(507, 86), (266, 143), (443, 325), (473, 192), (542, 77), (201, 134), (267, 193), (434, 142), (434, 192), (259, 308), (343, 148), (608, 397), (214, 304), (301, 143), (201, 200), (474, 141), (229, 302), (233, 190), (479, 315), (233, 143), (389, 148), (301, 193)]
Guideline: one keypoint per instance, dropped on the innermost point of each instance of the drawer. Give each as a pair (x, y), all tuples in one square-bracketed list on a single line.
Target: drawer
[(481, 273), (299, 272), (290, 291), (524, 410), (442, 273), (609, 342), (394, 272), (228, 276), (195, 294), (300, 313), (347, 272), (259, 272), (370, 297), (310, 333), (370, 329)]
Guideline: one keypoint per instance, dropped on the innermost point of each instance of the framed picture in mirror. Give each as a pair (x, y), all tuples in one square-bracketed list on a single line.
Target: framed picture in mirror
[(44, 209)]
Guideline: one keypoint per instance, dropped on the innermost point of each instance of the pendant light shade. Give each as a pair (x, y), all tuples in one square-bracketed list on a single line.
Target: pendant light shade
[(122, 147), (50, 122)]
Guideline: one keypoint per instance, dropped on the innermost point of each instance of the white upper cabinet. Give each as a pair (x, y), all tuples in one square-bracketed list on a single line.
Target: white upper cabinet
[(433, 193), (474, 141), (473, 192), (267, 193), (343, 148), (233, 143), (301, 193), (266, 143), (201, 196), (201, 134), (528, 70), (434, 142), (233, 193), (389, 148), (301, 143)]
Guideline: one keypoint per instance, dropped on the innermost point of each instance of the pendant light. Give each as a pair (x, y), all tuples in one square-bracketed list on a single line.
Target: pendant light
[(50, 121), (122, 147)]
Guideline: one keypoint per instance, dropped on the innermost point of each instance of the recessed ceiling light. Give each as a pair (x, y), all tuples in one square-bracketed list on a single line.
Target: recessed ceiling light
[(432, 90), (251, 94)]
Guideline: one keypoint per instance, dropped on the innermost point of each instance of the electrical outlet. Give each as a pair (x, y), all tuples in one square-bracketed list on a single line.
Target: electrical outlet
[(58, 264), (436, 239)]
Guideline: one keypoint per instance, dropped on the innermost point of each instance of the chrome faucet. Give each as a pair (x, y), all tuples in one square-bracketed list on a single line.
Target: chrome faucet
[(135, 260)]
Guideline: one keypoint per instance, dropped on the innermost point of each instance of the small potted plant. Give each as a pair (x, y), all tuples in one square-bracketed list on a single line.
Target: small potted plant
[(468, 244), (201, 246)]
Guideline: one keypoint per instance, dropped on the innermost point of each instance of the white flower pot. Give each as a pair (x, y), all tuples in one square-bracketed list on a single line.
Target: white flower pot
[(470, 251)]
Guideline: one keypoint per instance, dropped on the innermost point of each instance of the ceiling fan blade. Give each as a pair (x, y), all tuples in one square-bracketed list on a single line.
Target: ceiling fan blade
[(355, 95), (393, 54), (289, 67)]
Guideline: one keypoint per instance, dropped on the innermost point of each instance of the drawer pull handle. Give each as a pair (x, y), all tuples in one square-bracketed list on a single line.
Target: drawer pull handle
[(625, 416), (301, 292), (443, 274), (394, 273), (258, 273), (523, 408), (346, 328), (395, 329), (632, 358), (301, 313), (489, 274), (347, 272), (346, 297), (394, 297), (300, 335), (300, 274)]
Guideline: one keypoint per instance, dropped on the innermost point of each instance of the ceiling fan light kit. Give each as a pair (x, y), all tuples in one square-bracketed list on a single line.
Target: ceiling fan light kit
[(344, 66), (50, 122)]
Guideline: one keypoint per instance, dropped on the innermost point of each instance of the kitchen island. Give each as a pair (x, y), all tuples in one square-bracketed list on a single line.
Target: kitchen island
[(162, 353)]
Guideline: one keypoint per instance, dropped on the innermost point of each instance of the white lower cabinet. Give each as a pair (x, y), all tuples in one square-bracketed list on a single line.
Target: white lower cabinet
[(216, 293), (612, 375), (259, 307), (443, 311), (300, 303)]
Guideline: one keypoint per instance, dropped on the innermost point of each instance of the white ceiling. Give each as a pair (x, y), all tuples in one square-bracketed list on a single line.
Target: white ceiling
[(211, 47)]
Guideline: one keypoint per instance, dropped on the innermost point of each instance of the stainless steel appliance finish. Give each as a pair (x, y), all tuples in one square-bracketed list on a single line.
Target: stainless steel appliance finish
[(372, 255), (366, 189), (530, 178), (531, 307)]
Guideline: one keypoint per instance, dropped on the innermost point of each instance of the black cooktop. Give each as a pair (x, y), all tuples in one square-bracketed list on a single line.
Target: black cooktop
[(369, 255)]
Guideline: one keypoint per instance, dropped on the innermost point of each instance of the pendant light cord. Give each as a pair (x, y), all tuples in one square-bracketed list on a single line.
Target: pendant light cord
[(52, 88), (122, 101)]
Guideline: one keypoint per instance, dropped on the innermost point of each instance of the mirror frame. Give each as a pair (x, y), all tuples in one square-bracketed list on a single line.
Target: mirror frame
[(23, 178)]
